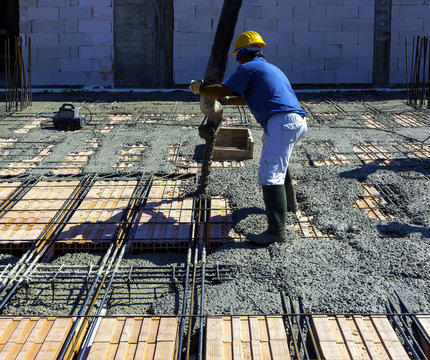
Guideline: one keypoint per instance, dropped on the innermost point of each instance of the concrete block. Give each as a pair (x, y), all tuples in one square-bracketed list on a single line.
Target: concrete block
[(52, 52), (308, 64), (407, 25), (207, 12), (295, 77), (99, 80), (184, 77), (102, 13), (259, 3), (397, 77), (332, 24), (192, 51), (71, 26), (366, 12), (76, 39), (251, 12), (49, 26), (308, 12), (194, 26), (58, 3), (319, 77), (366, 38), (407, 2), (357, 51), (76, 65), (263, 25), (75, 13), (342, 12), (95, 26), (414, 12), (184, 12), (362, 2), (102, 65), (25, 27), (281, 12), (185, 38), (102, 39), (293, 51), (283, 63), (183, 64), (293, 25), (27, 3), (326, 2), (74, 2), (325, 51), (308, 38), (353, 77), (45, 39), (339, 38), (45, 65), (95, 52), (41, 78), (39, 13), (198, 2), (200, 64), (95, 2), (399, 50), (74, 52), (361, 25), (71, 78), (344, 63), (365, 64), (203, 39)]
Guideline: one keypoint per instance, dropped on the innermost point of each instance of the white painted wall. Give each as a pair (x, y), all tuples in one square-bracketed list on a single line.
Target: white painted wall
[(312, 41)]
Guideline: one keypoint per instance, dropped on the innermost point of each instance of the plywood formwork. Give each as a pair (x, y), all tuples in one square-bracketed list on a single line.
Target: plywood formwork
[(130, 156), (305, 228), (165, 221), (407, 120), (424, 322), (19, 167), (414, 150), (76, 160), (113, 120), (221, 223), (336, 159), (26, 220), (39, 338), (7, 188), (370, 122), (356, 337), (95, 221), (373, 154), (34, 124), (143, 338), (373, 203), (246, 337)]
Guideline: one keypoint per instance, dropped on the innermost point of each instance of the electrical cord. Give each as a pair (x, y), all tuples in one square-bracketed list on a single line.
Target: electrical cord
[(91, 114)]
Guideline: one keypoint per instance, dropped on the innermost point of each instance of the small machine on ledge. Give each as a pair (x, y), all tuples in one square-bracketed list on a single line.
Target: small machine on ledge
[(68, 118)]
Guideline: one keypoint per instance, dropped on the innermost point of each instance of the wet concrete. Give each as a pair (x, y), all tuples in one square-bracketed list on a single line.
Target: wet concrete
[(355, 271)]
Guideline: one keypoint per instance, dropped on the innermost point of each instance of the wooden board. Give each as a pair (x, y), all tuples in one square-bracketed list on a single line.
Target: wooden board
[(33, 337), (165, 221), (140, 338), (246, 337), (424, 322), (7, 188), (356, 337), (233, 144), (98, 215), (28, 217)]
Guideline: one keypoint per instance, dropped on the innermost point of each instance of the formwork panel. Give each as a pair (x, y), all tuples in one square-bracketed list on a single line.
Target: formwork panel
[(98, 215), (414, 150), (130, 156), (135, 338), (165, 221), (7, 188), (356, 337), (373, 202), (246, 337), (374, 154), (221, 223), (33, 337), (424, 334), (26, 220), (19, 167)]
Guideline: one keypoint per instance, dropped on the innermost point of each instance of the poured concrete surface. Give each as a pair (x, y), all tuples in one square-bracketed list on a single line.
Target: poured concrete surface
[(364, 261)]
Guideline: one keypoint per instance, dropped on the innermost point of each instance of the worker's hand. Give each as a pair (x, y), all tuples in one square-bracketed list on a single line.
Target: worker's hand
[(195, 86), (224, 101)]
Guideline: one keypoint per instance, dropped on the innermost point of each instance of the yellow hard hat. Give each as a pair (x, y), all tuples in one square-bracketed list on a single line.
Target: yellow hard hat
[(248, 38)]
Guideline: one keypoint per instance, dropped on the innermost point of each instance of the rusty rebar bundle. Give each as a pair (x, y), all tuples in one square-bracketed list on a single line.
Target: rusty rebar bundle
[(418, 82), (17, 75)]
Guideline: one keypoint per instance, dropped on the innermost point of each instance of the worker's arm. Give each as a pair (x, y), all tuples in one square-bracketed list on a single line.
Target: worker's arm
[(217, 91), (235, 100)]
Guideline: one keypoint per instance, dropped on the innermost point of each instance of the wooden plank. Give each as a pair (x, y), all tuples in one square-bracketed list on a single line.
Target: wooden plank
[(389, 338), (167, 330), (368, 340), (351, 338)]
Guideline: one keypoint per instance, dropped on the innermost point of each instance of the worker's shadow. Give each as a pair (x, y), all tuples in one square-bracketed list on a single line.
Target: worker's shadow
[(397, 166), (397, 229)]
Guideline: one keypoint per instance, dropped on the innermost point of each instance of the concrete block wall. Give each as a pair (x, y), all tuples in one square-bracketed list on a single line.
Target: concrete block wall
[(312, 41), (409, 18), (72, 41)]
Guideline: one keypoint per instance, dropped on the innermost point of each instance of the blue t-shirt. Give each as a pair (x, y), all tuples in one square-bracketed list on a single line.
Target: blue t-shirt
[(266, 89)]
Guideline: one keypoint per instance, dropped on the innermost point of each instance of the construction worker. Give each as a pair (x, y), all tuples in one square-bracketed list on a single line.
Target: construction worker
[(269, 96)]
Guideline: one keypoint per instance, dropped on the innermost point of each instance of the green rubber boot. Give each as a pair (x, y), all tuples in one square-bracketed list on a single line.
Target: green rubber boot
[(276, 210), (290, 192)]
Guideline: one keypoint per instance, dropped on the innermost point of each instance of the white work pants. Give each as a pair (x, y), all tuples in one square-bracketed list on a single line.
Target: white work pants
[(282, 132)]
